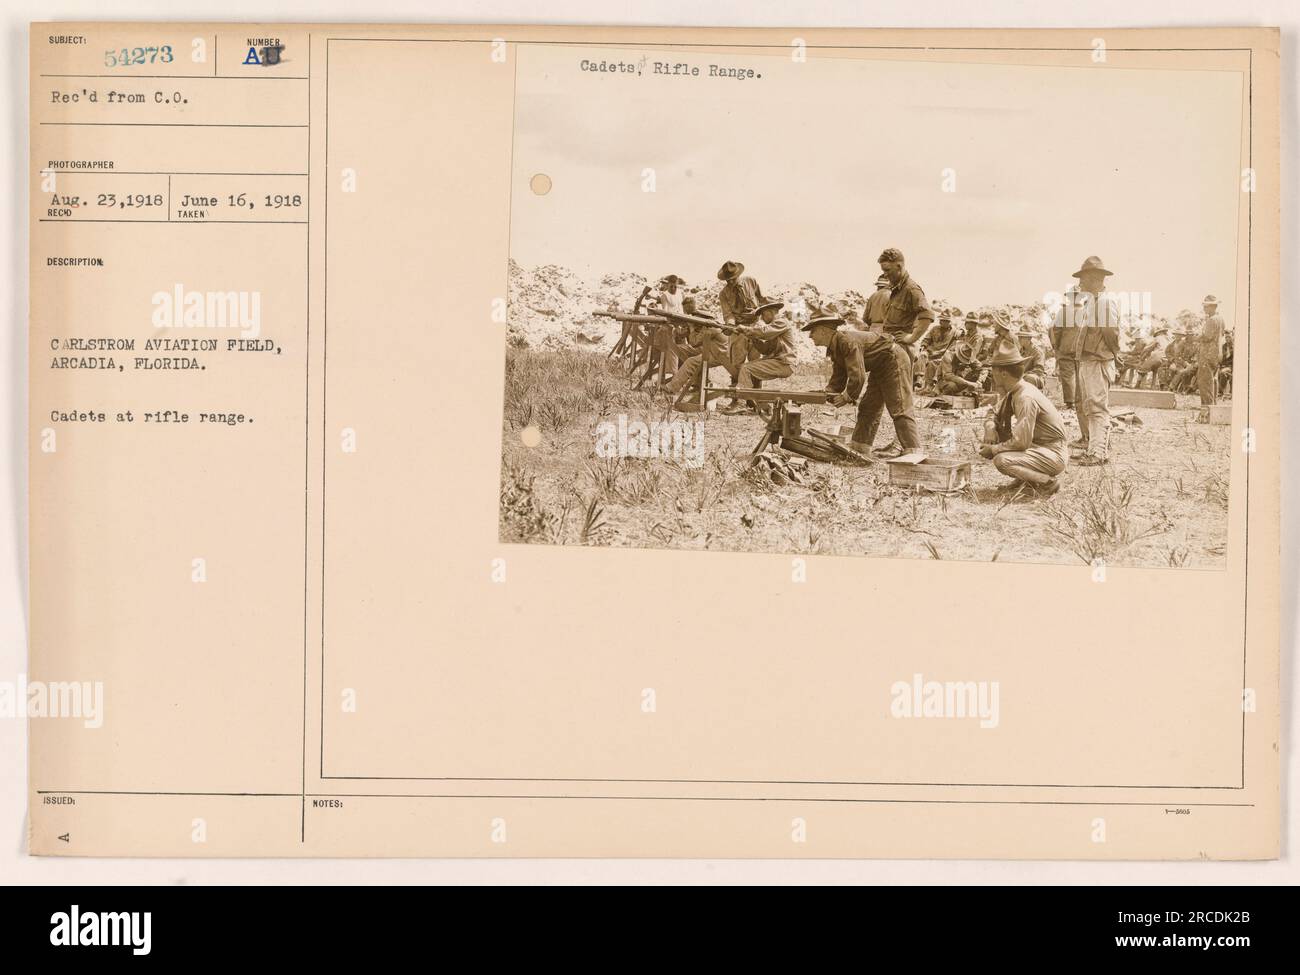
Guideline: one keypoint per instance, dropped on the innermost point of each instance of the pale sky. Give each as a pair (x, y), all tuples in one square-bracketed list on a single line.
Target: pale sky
[(808, 172)]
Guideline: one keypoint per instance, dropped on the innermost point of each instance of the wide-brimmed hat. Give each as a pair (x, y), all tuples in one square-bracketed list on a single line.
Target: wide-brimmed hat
[(1209, 300), (672, 279), (1161, 330), (964, 352), (972, 318), (834, 321), (775, 305), (730, 270), (1007, 354), (1091, 264)]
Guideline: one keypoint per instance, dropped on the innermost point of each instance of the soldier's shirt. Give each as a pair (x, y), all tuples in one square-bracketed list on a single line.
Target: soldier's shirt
[(775, 341), (877, 302), (907, 305), (711, 343), (950, 365), (739, 298), (1035, 421), (1087, 328), (938, 339), (853, 354), (1212, 335)]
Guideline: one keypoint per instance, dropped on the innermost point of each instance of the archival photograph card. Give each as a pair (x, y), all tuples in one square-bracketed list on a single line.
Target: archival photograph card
[(553, 441)]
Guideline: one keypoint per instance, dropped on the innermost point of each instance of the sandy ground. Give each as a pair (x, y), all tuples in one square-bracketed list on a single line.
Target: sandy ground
[(1162, 501)]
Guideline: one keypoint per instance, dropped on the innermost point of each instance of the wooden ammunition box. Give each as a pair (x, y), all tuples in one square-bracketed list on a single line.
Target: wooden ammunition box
[(1159, 399), (939, 474)]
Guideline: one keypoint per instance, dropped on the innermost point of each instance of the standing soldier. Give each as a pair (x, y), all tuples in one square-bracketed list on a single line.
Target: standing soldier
[(1090, 334), (865, 359), (1211, 351), (874, 314), (907, 318), (739, 301)]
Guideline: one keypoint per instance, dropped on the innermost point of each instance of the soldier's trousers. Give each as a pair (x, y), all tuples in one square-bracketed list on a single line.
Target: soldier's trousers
[(753, 372), (1037, 465), (950, 387), (687, 374), (1067, 372), (1207, 381), (1092, 389), (741, 352), (889, 386)]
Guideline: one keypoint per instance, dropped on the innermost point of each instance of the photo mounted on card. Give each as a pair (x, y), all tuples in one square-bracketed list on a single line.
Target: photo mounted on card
[(556, 441)]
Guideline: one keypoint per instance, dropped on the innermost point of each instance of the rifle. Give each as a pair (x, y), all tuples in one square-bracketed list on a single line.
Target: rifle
[(680, 318), (629, 342), (621, 316)]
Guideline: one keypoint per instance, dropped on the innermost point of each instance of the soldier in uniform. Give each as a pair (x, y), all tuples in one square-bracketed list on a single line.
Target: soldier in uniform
[(739, 301), (866, 361), (1211, 351), (873, 316), (934, 345), (1065, 363), (771, 345), (907, 317), (1185, 365), (1087, 330), (1225, 368), (709, 347), (1025, 438), (1035, 370), (960, 372)]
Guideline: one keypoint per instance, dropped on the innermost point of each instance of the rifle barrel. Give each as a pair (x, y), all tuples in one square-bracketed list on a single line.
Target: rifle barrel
[(773, 395), (619, 316)]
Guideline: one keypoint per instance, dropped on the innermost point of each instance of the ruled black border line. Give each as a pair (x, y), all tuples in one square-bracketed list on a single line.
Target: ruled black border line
[(844, 799), (306, 462)]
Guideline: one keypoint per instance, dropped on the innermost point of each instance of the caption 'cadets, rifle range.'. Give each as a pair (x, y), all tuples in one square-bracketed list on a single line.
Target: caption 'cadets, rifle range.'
[(1035, 395)]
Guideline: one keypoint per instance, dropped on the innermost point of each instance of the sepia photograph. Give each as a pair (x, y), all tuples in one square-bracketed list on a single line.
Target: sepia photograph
[(845, 306)]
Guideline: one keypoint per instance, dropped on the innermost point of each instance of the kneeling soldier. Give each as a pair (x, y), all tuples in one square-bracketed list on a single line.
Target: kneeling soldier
[(866, 359), (1026, 437)]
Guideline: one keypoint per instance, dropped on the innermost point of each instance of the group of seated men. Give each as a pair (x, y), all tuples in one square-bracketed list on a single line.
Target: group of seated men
[(954, 363), (1171, 359)]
